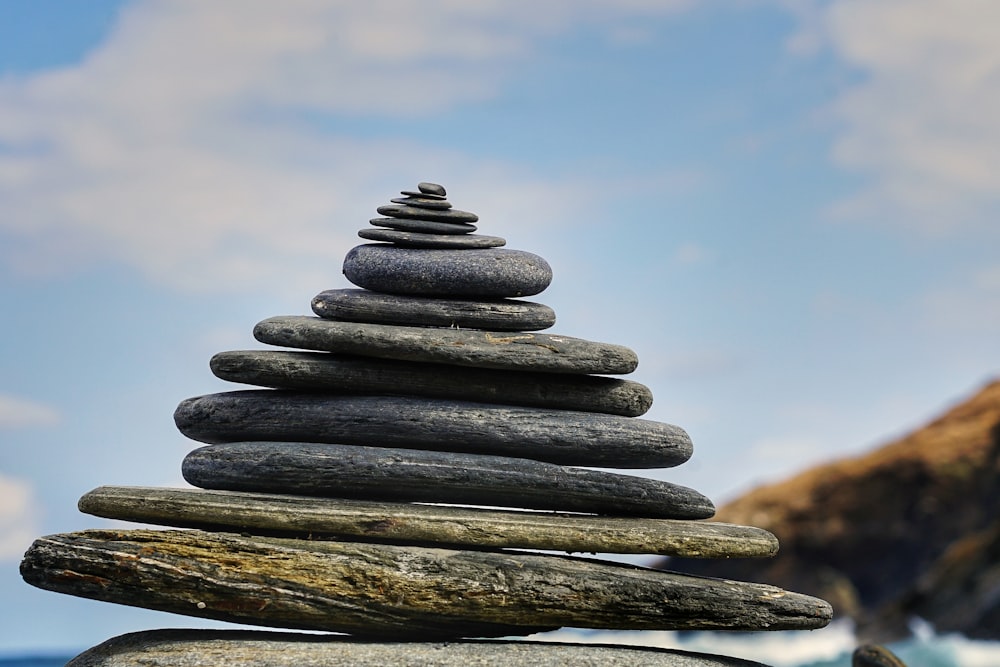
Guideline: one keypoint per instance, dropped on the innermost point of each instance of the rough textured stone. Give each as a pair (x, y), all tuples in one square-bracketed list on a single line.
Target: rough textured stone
[(494, 272), (421, 240), (367, 375), (546, 353), (356, 305), (245, 648), (417, 193), (432, 189), (424, 226), (405, 523), (388, 590), (448, 215), (411, 475), (423, 202), (558, 436), (874, 655)]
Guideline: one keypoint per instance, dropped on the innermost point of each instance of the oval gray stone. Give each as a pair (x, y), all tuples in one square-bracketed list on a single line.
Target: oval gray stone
[(411, 475), (417, 193), (357, 305), (423, 202), (424, 226), (556, 436), (448, 215), (408, 523), (520, 351), (421, 240), (369, 375), (496, 272), (431, 189)]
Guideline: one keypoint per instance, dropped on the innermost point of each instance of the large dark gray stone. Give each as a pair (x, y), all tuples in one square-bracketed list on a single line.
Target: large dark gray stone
[(449, 215), (422, 240), (367, 375), (546, 353), (557, 436), (357, 305), (493, 272), (411, 475), (409, 523)]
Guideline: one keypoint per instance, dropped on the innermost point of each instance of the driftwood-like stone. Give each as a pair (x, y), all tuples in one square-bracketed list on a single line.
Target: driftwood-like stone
[(247, 648), (545, 353), (357, 305), (386, 590), (301, 516), (368, 375), (412, 475), (557, 436)]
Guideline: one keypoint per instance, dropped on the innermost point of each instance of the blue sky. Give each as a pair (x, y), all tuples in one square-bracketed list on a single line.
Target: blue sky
[(788, 209)]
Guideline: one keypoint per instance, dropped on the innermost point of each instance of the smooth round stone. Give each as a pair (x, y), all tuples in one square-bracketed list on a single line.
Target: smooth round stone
[(422, 476), (283, 514), (495, 272), (564, 437), (424, 226), (371, 376), (419, 240), (421, 195), (432, 189), (519, 351), (423, 202), (450, 215), (357, 305)]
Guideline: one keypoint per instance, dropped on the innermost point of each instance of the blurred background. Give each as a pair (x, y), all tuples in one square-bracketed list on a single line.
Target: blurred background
[(787, 208)]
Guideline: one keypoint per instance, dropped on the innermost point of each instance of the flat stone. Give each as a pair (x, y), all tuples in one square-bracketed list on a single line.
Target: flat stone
[(494, 272), (424, 226), (356, 305), (421, 240), (423, 202), (432, 189), (412, 475), (422, 195), (405, 523), (450, 215), (557, 436), (383, 590), (368, 375), (520, 351), (248, 648)]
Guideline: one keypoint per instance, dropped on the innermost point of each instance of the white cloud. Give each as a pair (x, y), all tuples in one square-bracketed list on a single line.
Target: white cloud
[(18, 517), (16, 412)]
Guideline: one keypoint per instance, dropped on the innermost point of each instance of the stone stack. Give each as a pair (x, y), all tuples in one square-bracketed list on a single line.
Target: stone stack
[(382, 479)]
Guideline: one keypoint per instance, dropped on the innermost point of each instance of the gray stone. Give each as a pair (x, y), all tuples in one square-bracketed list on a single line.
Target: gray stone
[(412, 475), (520, 351), (424, 226), (356, 305), (368, 375), (422, 195), (248, 648), (383, 590), (432, 189), (423, 202), (557, 436), (422, 240), (450, 215), (406, 523), (494, 272)]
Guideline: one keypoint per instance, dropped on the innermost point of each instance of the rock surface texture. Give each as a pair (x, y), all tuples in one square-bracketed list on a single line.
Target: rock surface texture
[(380, 482)]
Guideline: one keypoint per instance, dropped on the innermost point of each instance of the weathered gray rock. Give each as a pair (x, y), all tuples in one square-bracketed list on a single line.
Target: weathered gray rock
[(423, 202), (387, 590), (358, 305), (245, 648), (874, 655), (557, 436), (411, 475), (432, 189), (449, 215), (404, 523), (425, 226), (417, 193), (518, 351), (493, 272), (368, 375), (423, 240)]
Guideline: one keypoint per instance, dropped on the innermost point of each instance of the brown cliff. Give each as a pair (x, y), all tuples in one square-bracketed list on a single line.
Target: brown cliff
[(910, 529)]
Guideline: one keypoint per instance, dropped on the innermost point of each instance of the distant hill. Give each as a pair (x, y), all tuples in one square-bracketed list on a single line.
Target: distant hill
[(909, 529)]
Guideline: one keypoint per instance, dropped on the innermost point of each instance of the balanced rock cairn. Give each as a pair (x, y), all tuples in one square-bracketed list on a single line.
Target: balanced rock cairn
[(359, 490)]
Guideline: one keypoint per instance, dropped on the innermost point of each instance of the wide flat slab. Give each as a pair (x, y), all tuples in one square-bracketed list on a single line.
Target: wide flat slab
[(566, 437), (546, 353), (345, 374), (247, 648), (406, 523), (412, 475), (387, 590)]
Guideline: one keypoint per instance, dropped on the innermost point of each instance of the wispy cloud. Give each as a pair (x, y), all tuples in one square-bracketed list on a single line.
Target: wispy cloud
[(16, 412), (18, 517)]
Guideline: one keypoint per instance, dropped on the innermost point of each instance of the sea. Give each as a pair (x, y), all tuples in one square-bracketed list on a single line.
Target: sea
[(829, 647)]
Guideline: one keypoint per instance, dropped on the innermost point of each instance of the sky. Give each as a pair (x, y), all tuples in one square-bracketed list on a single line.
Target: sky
[(787, 208)]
